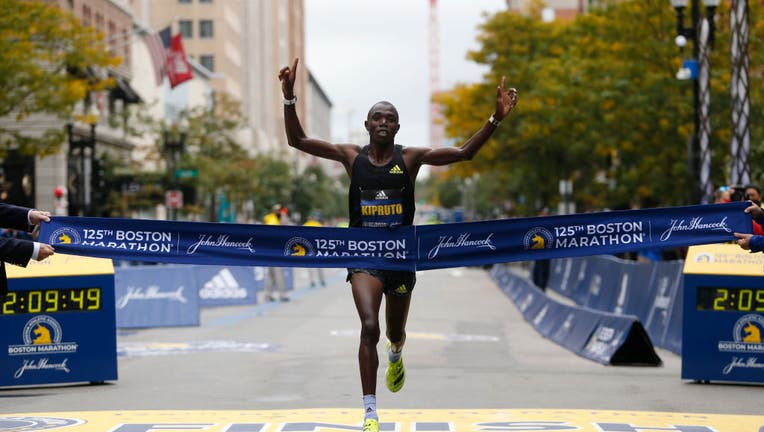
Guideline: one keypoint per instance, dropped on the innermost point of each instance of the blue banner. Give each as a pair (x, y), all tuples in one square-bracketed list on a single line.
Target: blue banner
[(528, 239), (408, 248)]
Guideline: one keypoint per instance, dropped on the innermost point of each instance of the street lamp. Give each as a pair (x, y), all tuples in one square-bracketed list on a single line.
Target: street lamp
[(80, 157), (690, 71), (174, 145)]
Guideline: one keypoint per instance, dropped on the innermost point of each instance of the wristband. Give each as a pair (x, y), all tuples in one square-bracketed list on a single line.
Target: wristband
[(492, 120), (289, 101)]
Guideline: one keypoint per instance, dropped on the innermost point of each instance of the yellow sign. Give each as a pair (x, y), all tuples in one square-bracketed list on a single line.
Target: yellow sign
[(411, 420), (723, 259), (62, 265)]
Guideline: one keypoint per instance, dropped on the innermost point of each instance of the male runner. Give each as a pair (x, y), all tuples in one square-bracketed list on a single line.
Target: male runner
[(383, 172)]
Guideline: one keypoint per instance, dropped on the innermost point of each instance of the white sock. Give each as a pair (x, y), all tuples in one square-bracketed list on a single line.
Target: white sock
[(370, 407)]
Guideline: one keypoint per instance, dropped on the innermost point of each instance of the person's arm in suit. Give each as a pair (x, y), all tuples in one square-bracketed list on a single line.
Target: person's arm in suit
[(18, 251)]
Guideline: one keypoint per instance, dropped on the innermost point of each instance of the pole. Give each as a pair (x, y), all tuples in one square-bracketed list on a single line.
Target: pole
[(696, 192)]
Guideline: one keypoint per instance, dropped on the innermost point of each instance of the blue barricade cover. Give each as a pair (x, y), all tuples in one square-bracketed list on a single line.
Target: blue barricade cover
[(406, 248), (634, 289), (156, 296), (227, 285), (672, 340), (600, 336), (602, 292), (665, 286)]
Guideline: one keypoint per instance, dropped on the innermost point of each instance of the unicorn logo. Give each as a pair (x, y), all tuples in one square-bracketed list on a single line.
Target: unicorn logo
[(64, 239), (298, 250)]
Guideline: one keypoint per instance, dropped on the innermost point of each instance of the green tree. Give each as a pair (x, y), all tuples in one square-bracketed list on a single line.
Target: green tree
[(599, 105), (46, 53)]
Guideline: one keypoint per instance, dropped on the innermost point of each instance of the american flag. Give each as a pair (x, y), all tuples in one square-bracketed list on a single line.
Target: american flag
[(158, 43)]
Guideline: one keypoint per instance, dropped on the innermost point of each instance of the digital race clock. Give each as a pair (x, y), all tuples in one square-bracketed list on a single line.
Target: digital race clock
[(58, 322), (52, 301), (730, 299)]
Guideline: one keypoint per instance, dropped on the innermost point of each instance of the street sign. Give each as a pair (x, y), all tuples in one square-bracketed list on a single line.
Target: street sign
[(186, 173), (174, 199)]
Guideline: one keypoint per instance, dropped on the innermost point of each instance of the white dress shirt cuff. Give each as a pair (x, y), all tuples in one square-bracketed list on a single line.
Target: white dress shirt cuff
[(36, 250)]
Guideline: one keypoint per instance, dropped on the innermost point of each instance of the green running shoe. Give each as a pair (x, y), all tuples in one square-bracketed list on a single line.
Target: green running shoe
[(370, 425), (395, 375)]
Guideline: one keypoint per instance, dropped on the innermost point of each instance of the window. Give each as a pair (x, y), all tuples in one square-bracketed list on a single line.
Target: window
[(184, 1), (206, 29), (205, 1), (186, 28), (208, 61)]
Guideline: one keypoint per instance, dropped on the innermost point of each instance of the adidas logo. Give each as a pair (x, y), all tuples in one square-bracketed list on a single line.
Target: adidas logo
[(396, 170), (381, 195), (223, 286), (401, 289)]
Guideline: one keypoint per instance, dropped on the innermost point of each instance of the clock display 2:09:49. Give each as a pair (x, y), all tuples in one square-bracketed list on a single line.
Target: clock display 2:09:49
[(730, 299), (52, 301)]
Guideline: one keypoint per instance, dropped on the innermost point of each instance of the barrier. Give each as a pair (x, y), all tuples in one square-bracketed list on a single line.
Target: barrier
[(156, 296), (651, 292), (603, 337), (228, 285)]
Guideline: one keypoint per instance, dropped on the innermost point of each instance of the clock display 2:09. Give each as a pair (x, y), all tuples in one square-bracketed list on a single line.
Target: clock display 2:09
[(730, 299), (51, 301)]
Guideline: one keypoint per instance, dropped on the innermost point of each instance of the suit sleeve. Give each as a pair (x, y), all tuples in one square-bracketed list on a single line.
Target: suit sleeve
[(16, 251), (14, 217)]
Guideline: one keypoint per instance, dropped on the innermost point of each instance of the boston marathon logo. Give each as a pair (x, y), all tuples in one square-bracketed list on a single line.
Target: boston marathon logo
[(42, 336), (34, 424), (747, 334), (298, 246), (585, 235), (64, 235), (538, 238)]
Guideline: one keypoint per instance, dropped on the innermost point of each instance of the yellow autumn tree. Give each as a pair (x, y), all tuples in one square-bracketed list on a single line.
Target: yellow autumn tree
[(46, 56)]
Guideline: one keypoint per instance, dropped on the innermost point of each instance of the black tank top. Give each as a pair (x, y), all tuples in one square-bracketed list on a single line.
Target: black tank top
[(380, 196)]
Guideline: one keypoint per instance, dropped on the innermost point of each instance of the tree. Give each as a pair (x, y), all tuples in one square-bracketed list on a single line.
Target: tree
[(48, 62), (599, 105)]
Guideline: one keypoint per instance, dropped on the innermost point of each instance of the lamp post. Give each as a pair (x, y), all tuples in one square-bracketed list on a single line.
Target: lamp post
[(691, 70), (80, 164), (174, 145)]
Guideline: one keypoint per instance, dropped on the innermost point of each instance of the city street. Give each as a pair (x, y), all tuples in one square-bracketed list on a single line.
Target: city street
[(469, 352)]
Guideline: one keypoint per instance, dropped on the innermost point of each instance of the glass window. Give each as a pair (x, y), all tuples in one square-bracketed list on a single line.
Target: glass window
[(208, 61), (184, 1), (205, 1), (206, 29), (186, 28)]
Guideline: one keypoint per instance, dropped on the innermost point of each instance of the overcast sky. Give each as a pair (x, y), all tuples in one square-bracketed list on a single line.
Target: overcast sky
[(364, 51)]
